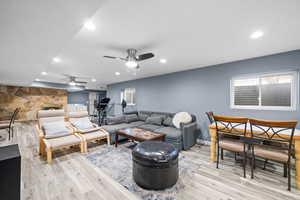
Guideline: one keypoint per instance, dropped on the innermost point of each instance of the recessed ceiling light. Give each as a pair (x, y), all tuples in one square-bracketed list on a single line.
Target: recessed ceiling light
[(117, 73), (44, 73), (94, 80), (56, 60), (89, 25), (37, 79), (257, 34), (163, 60)]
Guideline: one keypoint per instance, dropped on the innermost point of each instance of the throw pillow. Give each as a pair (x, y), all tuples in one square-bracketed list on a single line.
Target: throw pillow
[(131, 118), (181, 117), (115, 120), (154, 120), (168, 121), (55, 129)]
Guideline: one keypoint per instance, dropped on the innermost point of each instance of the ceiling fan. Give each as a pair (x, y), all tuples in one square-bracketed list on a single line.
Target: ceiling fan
[(71, 80), (132, 60), (74, 82)]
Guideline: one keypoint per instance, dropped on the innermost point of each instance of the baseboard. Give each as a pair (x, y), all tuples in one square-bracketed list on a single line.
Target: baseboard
[(203, 142)]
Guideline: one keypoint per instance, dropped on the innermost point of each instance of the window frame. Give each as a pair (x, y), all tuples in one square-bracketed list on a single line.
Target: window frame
[(294, 92), (123, 95)]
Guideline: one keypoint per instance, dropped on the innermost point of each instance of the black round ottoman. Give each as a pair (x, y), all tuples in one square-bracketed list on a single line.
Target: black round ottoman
[(155, 165)]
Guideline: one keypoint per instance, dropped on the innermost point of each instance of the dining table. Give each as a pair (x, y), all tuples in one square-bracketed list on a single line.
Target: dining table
[(286, 134)]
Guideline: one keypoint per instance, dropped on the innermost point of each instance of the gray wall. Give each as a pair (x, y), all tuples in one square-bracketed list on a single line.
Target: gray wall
[(207, 89), (82, 97)]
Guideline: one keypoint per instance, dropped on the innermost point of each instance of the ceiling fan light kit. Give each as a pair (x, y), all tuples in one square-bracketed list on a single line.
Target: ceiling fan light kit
[(132, 60)]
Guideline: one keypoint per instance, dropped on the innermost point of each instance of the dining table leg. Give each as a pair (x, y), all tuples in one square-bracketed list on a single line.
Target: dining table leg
[(213, 137), (297, 155)]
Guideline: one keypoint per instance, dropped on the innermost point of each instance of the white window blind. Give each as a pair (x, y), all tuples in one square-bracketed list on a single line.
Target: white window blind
[(128, 94), (275, 91)]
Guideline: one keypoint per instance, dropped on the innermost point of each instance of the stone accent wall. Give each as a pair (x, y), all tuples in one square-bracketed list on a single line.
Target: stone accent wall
[(29, 100)]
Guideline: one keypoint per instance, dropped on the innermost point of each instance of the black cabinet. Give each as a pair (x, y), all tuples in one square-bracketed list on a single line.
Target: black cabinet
[(10, 172)]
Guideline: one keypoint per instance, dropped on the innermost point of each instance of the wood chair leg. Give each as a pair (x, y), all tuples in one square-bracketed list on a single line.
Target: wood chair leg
[(244, 163), (218, 152), (83, 147), (42, 149), (86, 147), (284, 170), (222, 154), (108, 140), (49, 155), (252, 162), (265, 163), (289, 175)]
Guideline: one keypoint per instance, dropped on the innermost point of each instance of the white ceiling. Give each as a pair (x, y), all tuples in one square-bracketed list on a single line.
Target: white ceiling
[(189, 34)]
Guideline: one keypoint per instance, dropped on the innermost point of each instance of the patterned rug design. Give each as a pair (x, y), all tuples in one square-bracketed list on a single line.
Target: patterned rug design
[(117, 163)]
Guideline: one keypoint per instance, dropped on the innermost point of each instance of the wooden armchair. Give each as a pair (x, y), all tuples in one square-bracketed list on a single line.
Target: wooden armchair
[(88, 131), (50, 142)]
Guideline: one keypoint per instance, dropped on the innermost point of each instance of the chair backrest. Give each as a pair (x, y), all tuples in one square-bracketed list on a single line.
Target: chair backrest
[(13, 117), (46, 116), (77, 115), (210, 116), (275, 131), (230, 125)]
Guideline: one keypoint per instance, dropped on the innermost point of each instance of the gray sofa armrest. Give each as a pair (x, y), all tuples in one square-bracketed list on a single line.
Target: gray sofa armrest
[(189, 134)]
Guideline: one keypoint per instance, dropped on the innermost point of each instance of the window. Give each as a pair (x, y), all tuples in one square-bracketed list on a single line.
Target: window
[(273, 92), (128, 94)]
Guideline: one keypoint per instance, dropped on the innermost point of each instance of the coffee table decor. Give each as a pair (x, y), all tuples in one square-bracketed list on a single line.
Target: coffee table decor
[(117, 163), (138, 134), (155, 165)]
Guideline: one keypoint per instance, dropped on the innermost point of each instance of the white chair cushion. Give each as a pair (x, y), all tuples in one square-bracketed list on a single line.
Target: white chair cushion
[(55, 129), (181, 117), (83, 124), (94, 135), (63, 141)]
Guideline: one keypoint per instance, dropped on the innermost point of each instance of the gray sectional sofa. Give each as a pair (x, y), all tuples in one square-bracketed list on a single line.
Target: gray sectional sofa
[(182, 138)]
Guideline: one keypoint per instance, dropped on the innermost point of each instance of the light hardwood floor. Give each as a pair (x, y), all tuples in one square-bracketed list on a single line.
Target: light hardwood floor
[(72, 176)]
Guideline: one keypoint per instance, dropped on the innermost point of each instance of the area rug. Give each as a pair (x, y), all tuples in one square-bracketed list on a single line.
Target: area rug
[(117, 163)]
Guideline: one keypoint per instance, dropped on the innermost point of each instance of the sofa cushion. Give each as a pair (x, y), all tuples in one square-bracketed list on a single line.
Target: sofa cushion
[(131, 118), (171, 133), (113, 128), (181, 117), (111, 120), (168, 121), (150, 127), (143, 117), (158, 115), (156, 120), (55, 129), (137, 123)]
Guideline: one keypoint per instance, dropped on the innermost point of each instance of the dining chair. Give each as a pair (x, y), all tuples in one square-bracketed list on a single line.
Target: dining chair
[(10, 126), (210, 116), (272, 133), (228, 126)]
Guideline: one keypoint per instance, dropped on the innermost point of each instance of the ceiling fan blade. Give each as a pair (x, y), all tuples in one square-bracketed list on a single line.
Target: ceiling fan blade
[(112, 57), (145, 56), (81, 82)]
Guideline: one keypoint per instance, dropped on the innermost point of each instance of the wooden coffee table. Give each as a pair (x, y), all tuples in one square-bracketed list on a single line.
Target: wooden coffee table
[(138, 134)]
